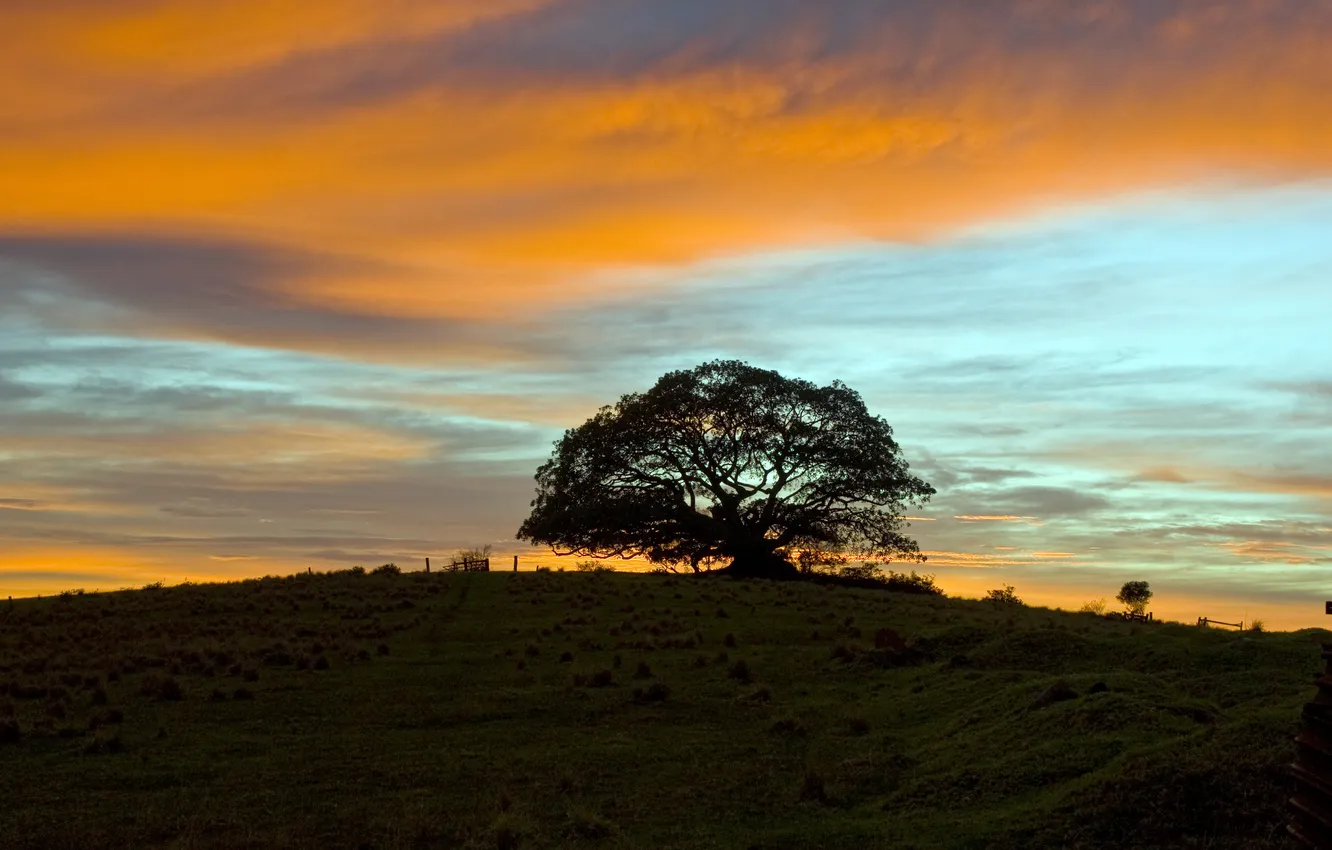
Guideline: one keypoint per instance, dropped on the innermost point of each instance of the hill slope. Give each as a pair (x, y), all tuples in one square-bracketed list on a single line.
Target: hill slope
[(607, 710)]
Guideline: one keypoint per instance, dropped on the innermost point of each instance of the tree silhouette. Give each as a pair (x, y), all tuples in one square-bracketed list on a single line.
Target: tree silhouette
[(728, 462), (1135, 595)]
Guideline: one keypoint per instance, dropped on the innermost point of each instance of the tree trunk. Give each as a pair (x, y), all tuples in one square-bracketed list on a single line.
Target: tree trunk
[(759, 561)]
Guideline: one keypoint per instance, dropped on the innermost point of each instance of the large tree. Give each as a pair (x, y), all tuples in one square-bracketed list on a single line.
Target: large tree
[(728, 462)]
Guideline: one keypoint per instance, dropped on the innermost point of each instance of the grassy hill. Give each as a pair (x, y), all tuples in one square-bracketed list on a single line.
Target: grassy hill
[(608, 710)]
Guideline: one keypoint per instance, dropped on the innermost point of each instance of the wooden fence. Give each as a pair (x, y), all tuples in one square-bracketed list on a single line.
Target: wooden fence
[(1203, 621), (470, 565), (1311, 807)]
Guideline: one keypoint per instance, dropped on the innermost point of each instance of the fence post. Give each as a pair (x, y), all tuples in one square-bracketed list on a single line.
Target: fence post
[(515, 563), (427, 565)]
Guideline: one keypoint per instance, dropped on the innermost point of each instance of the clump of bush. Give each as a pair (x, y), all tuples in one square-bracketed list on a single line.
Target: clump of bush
[(586, 825), (655, 692), (740, 672), (875, 575), (161, 688), (99, 746), (787, 726), (813, 789), (599, 679), (387, 570), (1093, 606), (1005, 595)]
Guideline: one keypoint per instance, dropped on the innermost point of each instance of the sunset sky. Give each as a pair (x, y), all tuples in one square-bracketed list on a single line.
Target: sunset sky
[(310, 284)]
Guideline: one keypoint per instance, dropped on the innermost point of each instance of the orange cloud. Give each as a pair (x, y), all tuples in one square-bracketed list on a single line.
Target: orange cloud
[(1164, 475), (1278, 551), (969, 559), (1289, 483), (434, 143)]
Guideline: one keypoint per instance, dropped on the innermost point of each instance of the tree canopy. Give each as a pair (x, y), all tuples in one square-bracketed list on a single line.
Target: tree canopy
[(727, 461)]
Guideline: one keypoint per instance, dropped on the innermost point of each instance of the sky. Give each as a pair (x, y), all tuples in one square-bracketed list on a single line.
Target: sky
[(304, 285)]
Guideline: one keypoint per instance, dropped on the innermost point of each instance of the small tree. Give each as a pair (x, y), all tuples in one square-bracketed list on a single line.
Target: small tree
[(1004, 595), (1135, 595)]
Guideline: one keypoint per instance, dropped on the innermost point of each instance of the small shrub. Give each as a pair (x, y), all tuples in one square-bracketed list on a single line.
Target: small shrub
[(100, 746), (655, 692), (585, 825), (170, 690), (382, 649), (387, 570), (729, 641), (787, 726), (566, 657), (242, 694), (841, 652), (1093, 606), (642, 671), (1003, 596), (813, 789), (740, 672), (161, 688), (506, 833), (912, 582), (1257, 625), (858, 725)]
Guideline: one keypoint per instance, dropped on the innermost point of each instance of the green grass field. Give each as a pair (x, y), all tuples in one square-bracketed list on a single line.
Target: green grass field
[(548, 709)]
